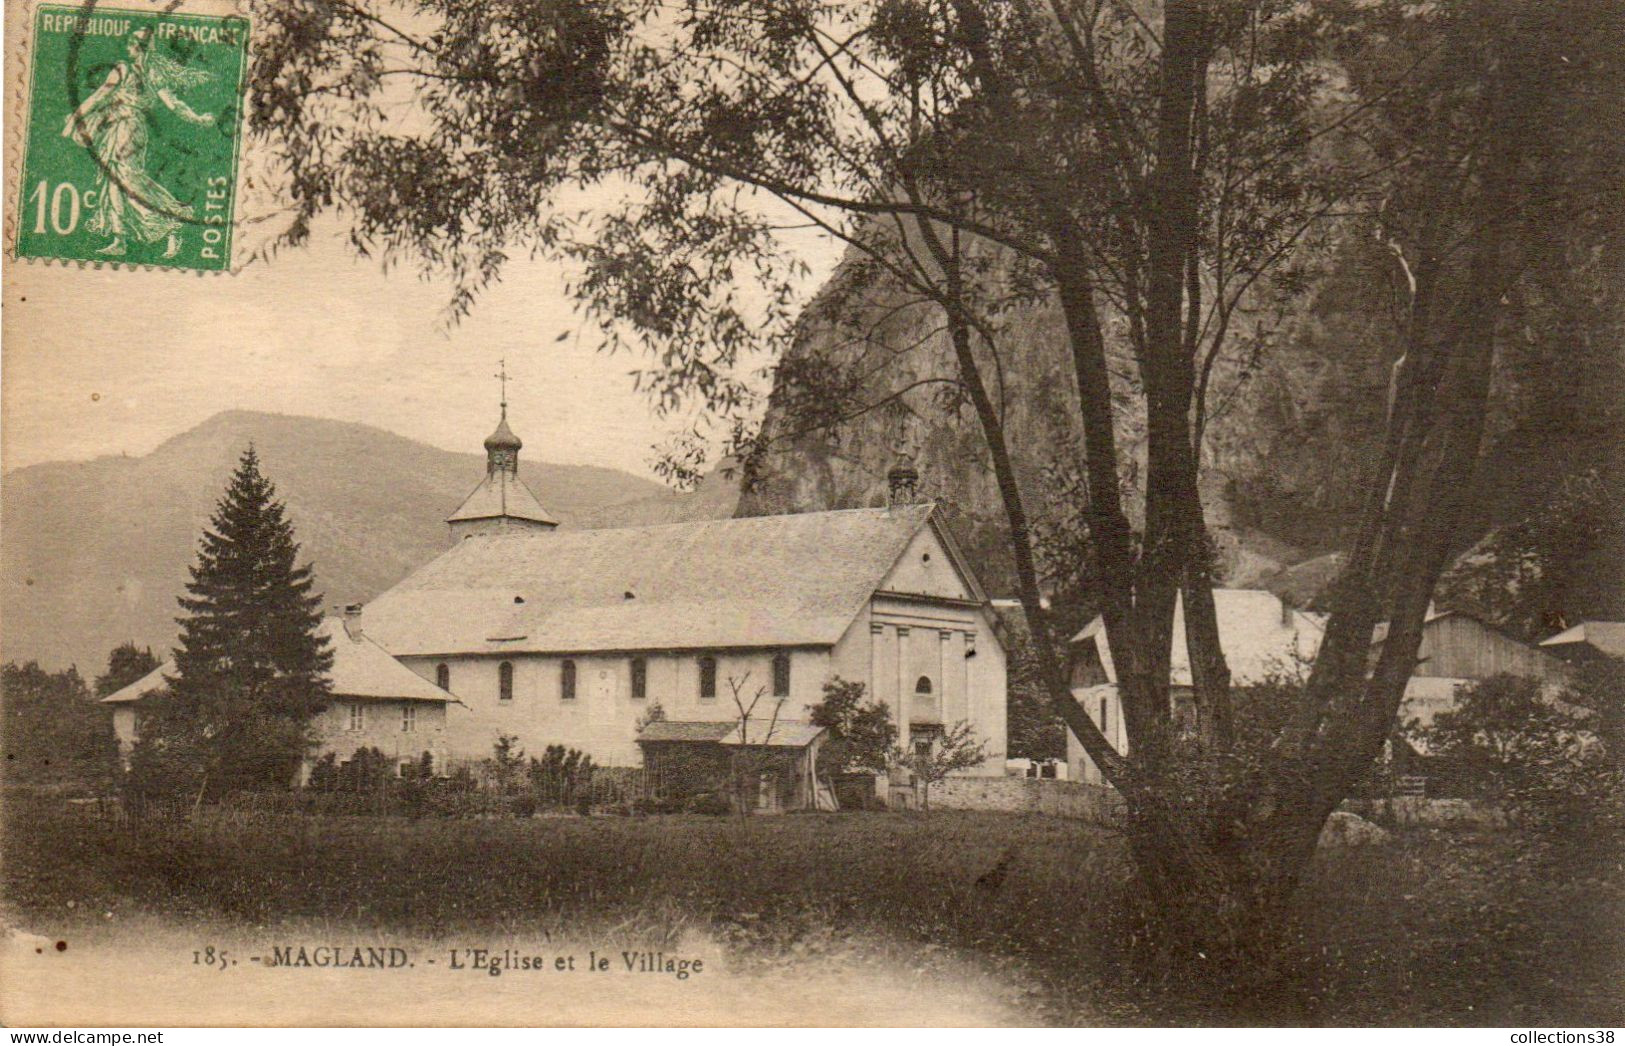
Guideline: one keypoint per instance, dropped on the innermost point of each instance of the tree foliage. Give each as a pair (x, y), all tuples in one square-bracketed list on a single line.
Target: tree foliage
[(1509, 739), (126, 664), (1533, 578), (933, 759), (54, 730), (861, 734), (250, 667)]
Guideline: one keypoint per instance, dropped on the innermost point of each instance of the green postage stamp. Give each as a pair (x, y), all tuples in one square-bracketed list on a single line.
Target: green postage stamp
[(132, 136)]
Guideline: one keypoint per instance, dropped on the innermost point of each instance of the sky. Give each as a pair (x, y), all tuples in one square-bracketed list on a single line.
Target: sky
[(107, 361)]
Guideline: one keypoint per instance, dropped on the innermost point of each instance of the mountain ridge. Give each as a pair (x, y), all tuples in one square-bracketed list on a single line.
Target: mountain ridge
[(93, 553)]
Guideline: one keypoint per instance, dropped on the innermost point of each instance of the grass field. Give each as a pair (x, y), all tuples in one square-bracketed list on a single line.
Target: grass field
[(1431, 927)]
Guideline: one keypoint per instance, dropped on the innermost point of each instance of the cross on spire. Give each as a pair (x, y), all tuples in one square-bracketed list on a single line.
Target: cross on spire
[(502, 376)]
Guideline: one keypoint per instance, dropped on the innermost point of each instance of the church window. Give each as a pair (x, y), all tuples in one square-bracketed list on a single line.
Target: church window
[(567, 680), (781, 674), (358, 716), (505, 681), (409, 718), (922, 686), (442, 676), (640, 679), (708, 677)]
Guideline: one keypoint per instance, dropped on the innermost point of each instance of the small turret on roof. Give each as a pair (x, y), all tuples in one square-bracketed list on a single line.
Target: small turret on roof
[(503, 437), (502, 501)]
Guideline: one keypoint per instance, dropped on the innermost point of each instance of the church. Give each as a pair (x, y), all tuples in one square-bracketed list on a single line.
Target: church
[(560, 636), (570, 637)]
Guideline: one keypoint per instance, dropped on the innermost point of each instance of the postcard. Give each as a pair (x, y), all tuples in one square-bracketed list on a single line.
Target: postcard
[(884, 514)]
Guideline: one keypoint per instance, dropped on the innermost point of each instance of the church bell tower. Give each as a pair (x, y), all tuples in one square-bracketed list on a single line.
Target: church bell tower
[(501, 503)]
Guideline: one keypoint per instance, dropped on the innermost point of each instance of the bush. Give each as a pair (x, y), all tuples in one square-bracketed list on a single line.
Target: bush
[(561, 777), (449, 799), (1542, 759), (324, 774), (712, 804)]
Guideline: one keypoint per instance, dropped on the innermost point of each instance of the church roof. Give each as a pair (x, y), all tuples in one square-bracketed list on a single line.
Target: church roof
[(795, 580), (501, 493), (361, 668)]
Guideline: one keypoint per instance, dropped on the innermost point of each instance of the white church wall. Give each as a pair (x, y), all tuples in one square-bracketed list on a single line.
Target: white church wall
[(925, 569), (601, 719), (989, 704), (956, 649), (850, 657)]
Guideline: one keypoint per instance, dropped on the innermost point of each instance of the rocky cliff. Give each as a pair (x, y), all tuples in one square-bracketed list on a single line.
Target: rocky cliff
[(1297, 406)]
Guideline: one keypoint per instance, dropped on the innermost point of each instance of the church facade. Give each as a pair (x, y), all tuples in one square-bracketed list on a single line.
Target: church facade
[(559, 636)]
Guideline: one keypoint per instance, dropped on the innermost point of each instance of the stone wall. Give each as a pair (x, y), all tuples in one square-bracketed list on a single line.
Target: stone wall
[(1102, 805), (1415, 811), (1024, 795)]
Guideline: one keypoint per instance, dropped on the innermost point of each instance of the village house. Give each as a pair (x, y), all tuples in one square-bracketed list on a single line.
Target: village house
[(1458, 649), (1263, 637), (377, 703)]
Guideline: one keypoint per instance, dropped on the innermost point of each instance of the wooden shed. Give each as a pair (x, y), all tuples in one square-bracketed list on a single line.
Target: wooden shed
[(1456, 645), (683, 760)]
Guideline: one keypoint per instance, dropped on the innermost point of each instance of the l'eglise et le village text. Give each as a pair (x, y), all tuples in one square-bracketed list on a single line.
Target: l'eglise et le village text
[(491, 961)]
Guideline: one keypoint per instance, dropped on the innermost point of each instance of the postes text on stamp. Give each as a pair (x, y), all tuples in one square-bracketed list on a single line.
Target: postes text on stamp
[(132, 138)]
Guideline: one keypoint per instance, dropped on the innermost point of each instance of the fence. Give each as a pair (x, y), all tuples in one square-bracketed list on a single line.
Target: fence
[(459, 794)]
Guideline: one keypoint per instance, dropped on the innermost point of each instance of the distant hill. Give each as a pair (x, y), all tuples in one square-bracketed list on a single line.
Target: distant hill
[(93, 553)]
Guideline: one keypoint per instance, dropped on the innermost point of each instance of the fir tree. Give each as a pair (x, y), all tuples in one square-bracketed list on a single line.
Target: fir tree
[(251, 668)]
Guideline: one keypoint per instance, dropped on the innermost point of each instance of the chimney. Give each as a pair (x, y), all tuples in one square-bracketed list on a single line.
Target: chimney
[(1286, 611), (352, 620)]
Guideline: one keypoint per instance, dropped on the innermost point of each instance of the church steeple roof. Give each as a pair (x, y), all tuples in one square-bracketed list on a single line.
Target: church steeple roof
[(502, 496), (501, 500), (503, 438)]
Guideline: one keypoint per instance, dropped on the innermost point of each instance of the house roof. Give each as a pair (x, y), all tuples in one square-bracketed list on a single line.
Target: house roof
[(785, 733), (1606, 636), (1260, 637), (135, 691), (1379, 631), (501, 493), (794, 580), (361, 668)]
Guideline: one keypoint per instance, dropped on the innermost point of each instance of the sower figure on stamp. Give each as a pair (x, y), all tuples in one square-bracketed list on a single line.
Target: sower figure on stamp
[(114, 124)]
